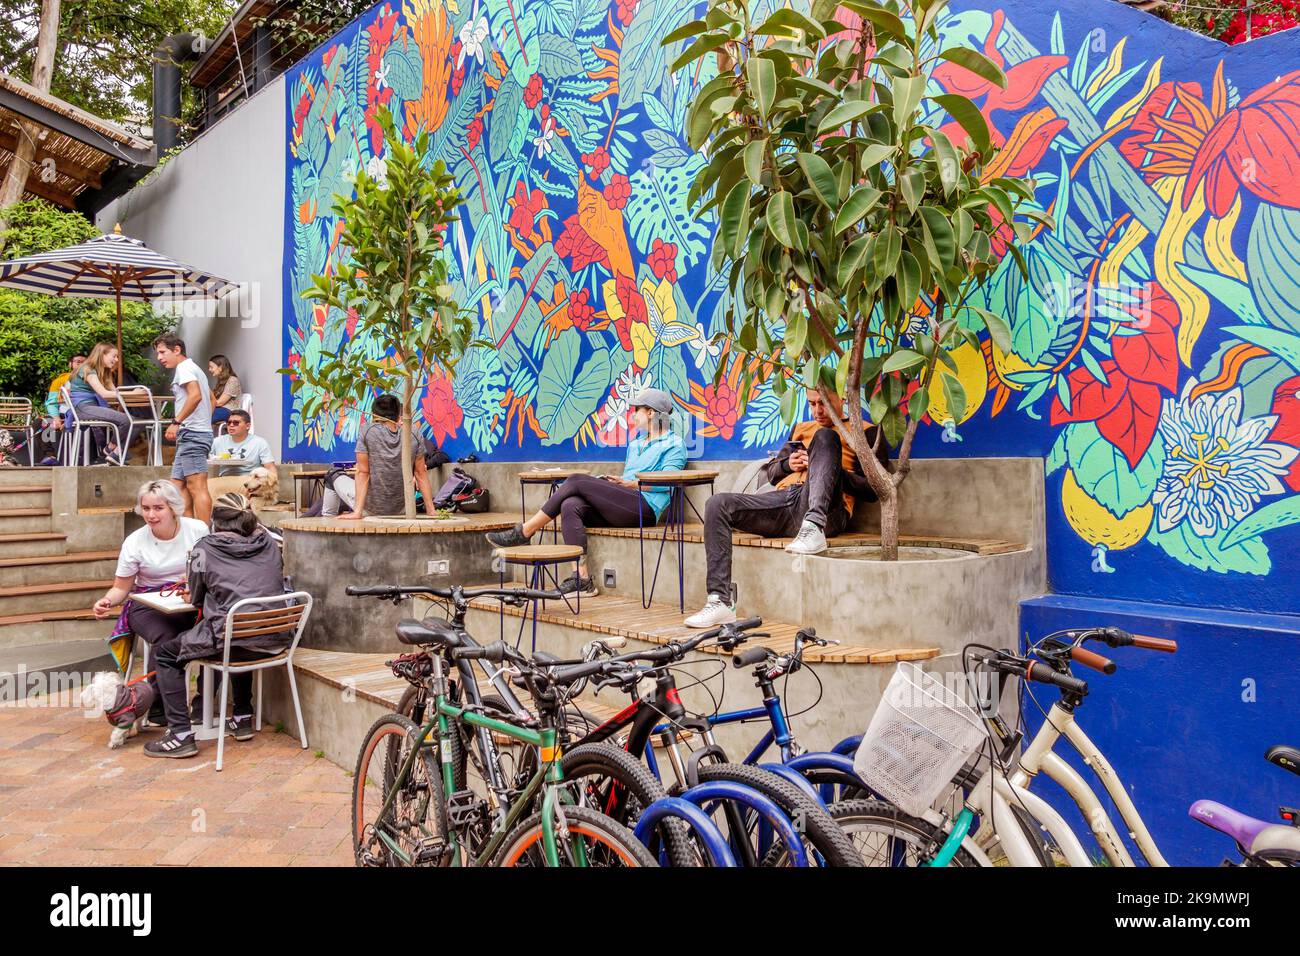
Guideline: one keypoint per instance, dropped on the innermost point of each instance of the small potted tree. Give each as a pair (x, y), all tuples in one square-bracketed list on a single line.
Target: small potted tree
[(392, 276), (852, 229)]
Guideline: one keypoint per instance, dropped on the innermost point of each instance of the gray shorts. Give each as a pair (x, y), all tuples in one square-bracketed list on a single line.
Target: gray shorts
[(192, 450)]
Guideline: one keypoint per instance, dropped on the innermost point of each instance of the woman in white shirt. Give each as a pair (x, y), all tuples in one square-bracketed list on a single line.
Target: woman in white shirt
[(151, 559)]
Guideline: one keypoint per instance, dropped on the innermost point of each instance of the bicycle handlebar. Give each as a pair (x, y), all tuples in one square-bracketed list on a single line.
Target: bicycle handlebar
[(396, 591), (1088, 658), (749, 656), (1042, 674)]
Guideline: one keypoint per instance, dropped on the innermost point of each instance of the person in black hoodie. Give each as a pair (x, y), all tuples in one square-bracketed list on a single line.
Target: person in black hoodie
[(240, 559)]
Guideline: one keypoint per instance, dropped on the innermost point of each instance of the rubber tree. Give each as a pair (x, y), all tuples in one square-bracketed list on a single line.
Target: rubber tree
[(392, 276), (852, 228)]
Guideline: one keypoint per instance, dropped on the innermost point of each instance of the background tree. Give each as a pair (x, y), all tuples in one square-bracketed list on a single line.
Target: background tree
[(393, 279), (103, 61), (851, 227), (40, 333)]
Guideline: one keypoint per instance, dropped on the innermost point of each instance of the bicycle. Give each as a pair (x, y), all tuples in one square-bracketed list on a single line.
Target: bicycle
[(426, 819), (1259, 842)]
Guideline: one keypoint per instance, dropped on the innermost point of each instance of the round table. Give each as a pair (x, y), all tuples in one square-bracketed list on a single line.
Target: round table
[(540, 559), (674, 523)]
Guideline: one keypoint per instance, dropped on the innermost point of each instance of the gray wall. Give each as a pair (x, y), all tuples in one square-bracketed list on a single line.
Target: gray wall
[(219, 206)]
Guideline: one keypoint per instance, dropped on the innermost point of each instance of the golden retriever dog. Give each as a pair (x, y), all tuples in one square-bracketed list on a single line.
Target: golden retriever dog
[(260, 485)]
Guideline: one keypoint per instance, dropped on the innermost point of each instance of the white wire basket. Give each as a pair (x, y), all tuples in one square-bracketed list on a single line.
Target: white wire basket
[(920, 736)]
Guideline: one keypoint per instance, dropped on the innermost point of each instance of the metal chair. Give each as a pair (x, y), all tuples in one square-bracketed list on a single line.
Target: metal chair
[(16, 416), (133, 399), (80, 436), (278, 613)]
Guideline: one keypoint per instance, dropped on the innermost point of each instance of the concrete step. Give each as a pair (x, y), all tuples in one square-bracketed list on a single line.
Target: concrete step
[(57, 568), (44, 670), (24, 496), (53, 627), (26, 544), (17, 520), (42, 598), (25, 476)]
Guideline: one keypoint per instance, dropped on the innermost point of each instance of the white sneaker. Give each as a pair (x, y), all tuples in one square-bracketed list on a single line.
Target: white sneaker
[(714, 613), (810, 540)]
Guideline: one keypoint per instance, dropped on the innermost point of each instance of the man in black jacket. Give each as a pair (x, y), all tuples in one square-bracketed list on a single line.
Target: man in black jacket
[(817, 481)]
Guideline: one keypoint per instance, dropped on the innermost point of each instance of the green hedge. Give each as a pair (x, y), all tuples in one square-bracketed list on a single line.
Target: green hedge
[(40, 333)]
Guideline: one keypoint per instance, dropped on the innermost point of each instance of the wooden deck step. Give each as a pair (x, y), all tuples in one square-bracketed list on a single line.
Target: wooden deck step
[(23, 537), (619, 616), (34, 590), (694, 534), (75, 557), (73, 614), (23, 489), (25, 512)]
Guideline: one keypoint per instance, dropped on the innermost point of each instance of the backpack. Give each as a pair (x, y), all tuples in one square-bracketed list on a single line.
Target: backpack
[(473, 502), (459, 483), (132, 702)]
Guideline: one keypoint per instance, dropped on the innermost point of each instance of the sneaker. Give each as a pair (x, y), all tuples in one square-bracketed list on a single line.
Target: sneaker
[(509, 538), (713, 614), (172, 746), (810, 540), (576, 585), (240, 727)]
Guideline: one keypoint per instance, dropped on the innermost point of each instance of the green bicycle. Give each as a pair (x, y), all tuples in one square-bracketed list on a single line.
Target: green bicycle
[(407, 805)]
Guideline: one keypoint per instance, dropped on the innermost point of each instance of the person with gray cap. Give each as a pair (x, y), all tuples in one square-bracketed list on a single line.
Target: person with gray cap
[(610, 501)]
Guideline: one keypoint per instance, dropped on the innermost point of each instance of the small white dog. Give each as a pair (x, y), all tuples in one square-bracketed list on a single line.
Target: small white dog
[(98, 696)]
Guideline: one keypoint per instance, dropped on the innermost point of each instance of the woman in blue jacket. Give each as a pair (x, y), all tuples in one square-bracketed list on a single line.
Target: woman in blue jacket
[(610, 501)]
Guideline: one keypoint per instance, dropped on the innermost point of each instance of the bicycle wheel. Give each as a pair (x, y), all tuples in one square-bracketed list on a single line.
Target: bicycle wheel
[(606, 842), (884, 835), (416, 822), (818, 827), (618, 785)]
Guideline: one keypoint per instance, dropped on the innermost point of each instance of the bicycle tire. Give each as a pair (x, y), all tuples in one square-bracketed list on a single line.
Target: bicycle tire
[(395, 734), (819, 827), (859, 817), (522, 846), (604, 760)]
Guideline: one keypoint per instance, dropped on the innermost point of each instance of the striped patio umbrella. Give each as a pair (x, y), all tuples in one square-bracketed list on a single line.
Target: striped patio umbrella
[(112, 266)]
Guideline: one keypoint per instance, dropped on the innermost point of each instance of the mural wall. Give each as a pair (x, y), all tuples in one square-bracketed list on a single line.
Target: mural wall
[(1155, 355)]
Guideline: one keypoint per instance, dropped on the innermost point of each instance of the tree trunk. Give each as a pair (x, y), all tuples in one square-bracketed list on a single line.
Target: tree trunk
[(408, 459), (889, 526), (25, 149)]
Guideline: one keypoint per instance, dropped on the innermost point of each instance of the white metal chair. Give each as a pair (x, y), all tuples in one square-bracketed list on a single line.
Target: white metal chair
[(16, 416), (79, 440), (252, 617), (133, 399)]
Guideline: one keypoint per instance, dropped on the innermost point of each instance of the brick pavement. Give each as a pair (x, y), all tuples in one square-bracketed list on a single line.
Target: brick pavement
[(66, 799)]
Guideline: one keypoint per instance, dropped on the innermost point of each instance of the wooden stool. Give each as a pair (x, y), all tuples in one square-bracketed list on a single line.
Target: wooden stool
[(541, 560), (674, 522), (554, 479)]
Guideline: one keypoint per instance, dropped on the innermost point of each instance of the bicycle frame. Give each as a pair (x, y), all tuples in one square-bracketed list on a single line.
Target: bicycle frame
[(548, 775)]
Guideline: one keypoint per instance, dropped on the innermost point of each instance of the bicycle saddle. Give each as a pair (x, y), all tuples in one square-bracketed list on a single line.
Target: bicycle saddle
[(1288, 758), (431, 631), (1226, 820)]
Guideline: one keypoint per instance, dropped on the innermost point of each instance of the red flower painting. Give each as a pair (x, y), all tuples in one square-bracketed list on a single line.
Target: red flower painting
[(441, 411), (722, 407), (1126, 405)]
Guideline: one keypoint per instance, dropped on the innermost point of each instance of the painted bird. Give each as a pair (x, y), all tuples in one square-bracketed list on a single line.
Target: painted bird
[(1286, 406)]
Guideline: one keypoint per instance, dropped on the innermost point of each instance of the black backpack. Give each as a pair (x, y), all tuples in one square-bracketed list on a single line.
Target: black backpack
[(459, 483)]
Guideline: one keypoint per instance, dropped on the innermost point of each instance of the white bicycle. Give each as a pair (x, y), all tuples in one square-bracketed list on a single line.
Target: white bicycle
[(924, 730)]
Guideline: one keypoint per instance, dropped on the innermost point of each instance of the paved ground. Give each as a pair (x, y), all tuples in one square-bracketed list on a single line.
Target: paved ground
[(66, 799)]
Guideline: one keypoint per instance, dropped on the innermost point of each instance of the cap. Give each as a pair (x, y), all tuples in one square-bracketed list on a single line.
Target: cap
[(655, 398), (234, 501)]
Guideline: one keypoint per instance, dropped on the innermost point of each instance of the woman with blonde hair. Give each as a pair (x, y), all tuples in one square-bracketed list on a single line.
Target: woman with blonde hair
[(153, 558), (92, 387)]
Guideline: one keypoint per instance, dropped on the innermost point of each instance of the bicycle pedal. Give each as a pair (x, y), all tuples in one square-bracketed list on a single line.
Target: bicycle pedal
[(465, 808), (430, 851)]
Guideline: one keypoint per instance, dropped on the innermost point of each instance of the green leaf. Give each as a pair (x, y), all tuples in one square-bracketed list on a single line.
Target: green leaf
[(888, 245), (907, 96), (780, 218), (854, 259), (685, 32), (968, 116), (948, 160), (761, 74), (954, 393), (856, 206), (999, 331), (1276, 514), (785, 19), (796, 332), (1104, 474), (884, 21), (873, 156), (734, 227), (908, 279), (912, 185), (821, 179), (844, 114), (754, 161), (939, 231), (1211, 554), (977, 63), (901, 360), (918, 403), (705, 44)]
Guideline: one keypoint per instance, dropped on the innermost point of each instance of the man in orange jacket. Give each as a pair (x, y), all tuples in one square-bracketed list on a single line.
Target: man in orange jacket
[(817, 479)]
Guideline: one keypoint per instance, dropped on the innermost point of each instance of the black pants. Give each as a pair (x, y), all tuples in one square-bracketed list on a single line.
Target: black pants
[(586, 501), (241, 686), (779, 513), (162, 633)]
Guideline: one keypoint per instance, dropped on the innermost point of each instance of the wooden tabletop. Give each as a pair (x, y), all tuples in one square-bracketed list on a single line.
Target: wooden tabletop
[(540, 553), (557, 475), (675, 477)]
